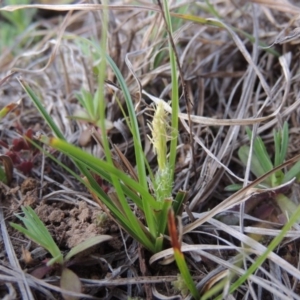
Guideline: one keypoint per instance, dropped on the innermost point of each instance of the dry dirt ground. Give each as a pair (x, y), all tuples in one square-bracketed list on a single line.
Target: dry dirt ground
[(228, 75)]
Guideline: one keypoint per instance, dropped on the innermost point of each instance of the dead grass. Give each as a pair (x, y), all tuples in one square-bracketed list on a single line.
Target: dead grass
[(231, 82)]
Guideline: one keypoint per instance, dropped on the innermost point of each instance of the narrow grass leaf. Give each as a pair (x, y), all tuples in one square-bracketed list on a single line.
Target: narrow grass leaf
[(163, 218), (159, 243), (262, 154), (133, 125), (139, 154), (293, 172), (100, 105), (233, 187), (277, 144), (98, 166), (179, 257), (178, 202), (284, 142), (42, 110), (256, 167), (52, 125)]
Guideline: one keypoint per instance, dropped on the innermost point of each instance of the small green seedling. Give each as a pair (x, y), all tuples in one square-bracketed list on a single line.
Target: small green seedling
[(90, 113), (261, 163), (36, 231)]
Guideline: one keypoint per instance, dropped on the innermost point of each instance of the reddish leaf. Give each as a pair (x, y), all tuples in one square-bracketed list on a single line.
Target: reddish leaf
[(173, 231), (19, 144), (14, 157), (29, 136), (25, 167), (29, 133), (264, 211), (101, 183), (41, 271)]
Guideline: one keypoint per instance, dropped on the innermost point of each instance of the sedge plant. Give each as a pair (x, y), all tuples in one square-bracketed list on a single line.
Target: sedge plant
[(127, 190)]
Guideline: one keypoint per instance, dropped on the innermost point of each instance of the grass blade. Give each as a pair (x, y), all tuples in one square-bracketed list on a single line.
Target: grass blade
[(179, 257)]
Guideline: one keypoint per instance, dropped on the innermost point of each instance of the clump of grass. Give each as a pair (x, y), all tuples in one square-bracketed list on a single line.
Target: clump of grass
[(126, 189)]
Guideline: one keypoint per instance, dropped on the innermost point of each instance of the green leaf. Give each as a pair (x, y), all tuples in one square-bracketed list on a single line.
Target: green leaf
[(177, 204), (87, 244), (233, 187), (256, 167), (37, 232), (277, 142), (135, 231), (101, 167), (293, 172), (284, 142), (42, 110), (53, 126), (88, 102), (163, 218), (262, 155), (281, 138), (55, 260), (2, 176), (129, 221), (287, 206)]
